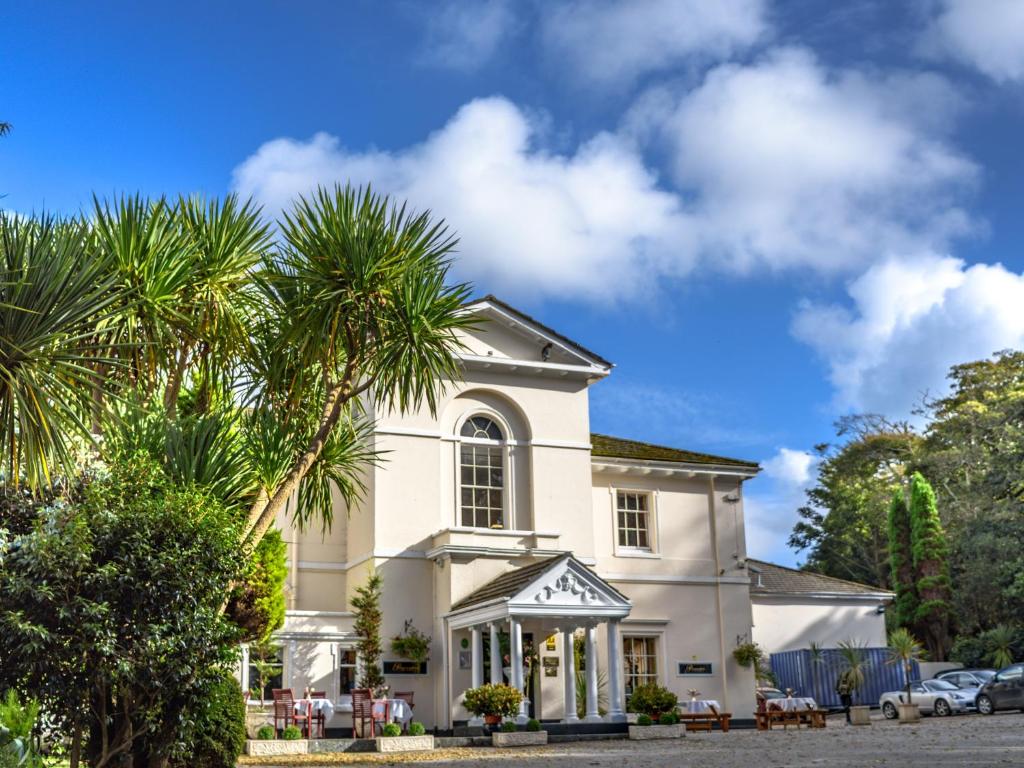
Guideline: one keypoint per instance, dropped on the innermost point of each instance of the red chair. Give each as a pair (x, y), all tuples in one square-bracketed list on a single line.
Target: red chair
[(284, 711), (318, 718), (362, 713)]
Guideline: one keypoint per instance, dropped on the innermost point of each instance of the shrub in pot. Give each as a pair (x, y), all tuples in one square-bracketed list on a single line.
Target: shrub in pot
[(644, 720), (391, 730), (265, 732), (652, 700), (291, 733), (493, 701), (533, 725), (509, 727), (416, 729), (667, 718)]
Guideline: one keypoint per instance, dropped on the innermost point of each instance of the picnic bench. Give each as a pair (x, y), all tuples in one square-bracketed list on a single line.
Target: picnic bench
[(766, 719), (704, 721)]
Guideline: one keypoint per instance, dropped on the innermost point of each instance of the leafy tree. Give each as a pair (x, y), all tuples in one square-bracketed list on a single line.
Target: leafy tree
[(368, 616), (929, 548), (901, 560), (258, 605), (110, 611)]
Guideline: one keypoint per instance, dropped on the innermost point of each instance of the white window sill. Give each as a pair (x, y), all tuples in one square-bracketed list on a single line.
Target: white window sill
[(645, 554)]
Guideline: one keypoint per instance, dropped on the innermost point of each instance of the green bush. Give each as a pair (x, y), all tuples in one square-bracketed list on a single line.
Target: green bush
[(509, 726), (17, 721), (291, 733), (491, 699), (652, 699), (265, 732), (416, 729), (391, 730), (644, 720), (667, 718), (217, 734), (533, 725)]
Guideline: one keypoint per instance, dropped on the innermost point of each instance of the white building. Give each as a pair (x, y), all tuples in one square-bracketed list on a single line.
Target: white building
[(502, 522)]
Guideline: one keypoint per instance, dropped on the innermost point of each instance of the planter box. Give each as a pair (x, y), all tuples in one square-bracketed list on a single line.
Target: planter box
[(405, 743), (860, 715), (909, 713), (648, 732), (256, 719), (519, 739), (274, 747)]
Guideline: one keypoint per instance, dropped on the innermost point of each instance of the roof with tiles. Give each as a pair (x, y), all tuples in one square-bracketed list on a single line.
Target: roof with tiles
[(769, 578), (620, 448)]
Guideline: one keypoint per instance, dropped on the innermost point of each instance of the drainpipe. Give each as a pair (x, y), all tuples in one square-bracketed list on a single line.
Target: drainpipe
[(718, 591)]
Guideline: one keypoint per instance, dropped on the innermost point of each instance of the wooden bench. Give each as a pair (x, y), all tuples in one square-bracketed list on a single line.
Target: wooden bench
[(812, 718), (704, 721)]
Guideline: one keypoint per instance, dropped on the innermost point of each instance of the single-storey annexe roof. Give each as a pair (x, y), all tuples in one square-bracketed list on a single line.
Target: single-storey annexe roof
[(771, 579)]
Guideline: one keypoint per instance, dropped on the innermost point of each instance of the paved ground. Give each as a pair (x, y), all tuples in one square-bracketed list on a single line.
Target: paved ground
[(972, 740)]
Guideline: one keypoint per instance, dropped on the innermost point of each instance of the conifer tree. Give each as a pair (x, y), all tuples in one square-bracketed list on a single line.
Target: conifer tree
[(901, 560), (366, 605), (930, 552)]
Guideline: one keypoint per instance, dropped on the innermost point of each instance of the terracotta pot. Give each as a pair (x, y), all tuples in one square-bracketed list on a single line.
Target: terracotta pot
[(492, 719)]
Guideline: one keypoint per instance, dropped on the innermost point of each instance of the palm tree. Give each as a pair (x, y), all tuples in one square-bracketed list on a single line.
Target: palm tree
[(904, 649), (1000, 641), (855, 663), (5, 128)]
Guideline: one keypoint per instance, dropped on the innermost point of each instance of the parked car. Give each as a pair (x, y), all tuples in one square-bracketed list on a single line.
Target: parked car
[(1004, 691), (767, 694), (967, 678), (933, 697)]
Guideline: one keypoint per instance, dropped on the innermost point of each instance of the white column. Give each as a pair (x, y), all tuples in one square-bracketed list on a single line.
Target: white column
[(243, 671), (496, 676), (478, 656), (593, 714), (516, 652), (615, 708), (569, 670)]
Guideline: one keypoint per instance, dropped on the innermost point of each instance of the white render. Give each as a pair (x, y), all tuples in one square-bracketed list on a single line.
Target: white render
[(789, 623), (690, 592)]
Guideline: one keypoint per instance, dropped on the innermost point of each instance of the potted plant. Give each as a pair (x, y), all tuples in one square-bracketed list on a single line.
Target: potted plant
[(493, 702), (904, 650), (392, 740), (856, 664), (654, 704), (411, 644)]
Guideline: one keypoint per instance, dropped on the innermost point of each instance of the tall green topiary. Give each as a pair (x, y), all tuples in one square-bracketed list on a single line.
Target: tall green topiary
[(257, 606), (366, 605), (930, 552), (901, 560)]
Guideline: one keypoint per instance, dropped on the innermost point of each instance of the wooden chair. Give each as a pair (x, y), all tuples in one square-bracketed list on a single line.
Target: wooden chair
[(318, 718), (284, 711), (407, 697), (362, 713)]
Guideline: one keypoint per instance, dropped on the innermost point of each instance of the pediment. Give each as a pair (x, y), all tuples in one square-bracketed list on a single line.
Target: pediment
[(569, 584)]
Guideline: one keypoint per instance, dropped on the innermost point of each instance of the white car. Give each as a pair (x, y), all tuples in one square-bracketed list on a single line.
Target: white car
[(933, 697)]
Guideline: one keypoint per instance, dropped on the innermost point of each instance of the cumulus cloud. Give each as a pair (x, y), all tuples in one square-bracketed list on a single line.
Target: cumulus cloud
[(590, 224), (465, 35), (908, 321), (771, 502), (616, 42), (985, 34), (791, 164)]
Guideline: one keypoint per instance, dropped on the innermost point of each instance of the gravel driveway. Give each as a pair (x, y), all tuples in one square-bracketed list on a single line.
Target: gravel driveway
[(972, 740)]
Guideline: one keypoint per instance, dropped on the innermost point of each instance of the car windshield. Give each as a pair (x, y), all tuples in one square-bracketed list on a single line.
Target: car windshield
[(984, 675), (773, 694), (940, 685)]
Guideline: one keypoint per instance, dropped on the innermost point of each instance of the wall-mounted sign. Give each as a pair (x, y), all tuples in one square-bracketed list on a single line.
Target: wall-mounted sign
[(550, 666), (550, 643), (405, 667), (702, 668)]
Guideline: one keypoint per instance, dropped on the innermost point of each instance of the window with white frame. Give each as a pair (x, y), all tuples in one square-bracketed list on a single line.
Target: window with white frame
[(640, 657), (346, 671), (482, 474), (633, 519)]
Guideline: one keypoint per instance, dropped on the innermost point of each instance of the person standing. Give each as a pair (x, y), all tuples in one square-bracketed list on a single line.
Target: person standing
[(845, 694)]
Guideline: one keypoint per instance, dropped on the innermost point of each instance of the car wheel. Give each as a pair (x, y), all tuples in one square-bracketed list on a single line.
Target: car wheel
[(889, 710), (942, 708), (984, 704)]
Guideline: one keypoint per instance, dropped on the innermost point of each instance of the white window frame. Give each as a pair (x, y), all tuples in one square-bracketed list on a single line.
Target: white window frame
[(627, 633), (342, 700), (653, 539), (508, 478)]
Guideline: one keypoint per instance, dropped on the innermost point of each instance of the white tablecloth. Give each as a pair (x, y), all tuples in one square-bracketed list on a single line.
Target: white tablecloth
[(796, 704), (398, 710), (319, 705), (701, 705)]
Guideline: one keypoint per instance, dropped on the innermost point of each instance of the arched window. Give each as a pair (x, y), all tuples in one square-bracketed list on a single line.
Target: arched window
[(482, 473)]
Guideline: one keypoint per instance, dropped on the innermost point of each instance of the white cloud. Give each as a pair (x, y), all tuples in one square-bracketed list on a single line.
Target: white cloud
[(910, 320), (465, 35), (771, 502), (592, 224), (790, 164), (616, 42), (985, 34)]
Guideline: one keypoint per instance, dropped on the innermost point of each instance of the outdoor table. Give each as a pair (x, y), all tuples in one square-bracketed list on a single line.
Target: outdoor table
[(315, 707), (393, 711), (697, 706), (795, 704)]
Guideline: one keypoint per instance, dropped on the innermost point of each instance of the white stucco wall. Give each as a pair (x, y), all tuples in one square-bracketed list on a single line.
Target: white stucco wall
[(787, 623)]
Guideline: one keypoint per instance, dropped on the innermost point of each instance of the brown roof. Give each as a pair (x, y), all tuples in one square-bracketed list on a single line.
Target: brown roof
[(510, 584), (620, 448), (547, 329), (769, 578)]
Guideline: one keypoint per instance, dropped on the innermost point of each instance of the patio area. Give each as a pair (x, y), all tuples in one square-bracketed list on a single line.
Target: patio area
[(961, 741)]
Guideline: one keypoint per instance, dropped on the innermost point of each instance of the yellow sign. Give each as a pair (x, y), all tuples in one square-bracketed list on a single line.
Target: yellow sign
[(550, 643)]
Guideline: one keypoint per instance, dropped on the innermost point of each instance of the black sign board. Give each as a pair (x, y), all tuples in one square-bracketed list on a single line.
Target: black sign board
[(405, 667), (694, 668)]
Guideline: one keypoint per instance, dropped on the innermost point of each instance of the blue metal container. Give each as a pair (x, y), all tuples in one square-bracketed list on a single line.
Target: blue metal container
[(817, 678)]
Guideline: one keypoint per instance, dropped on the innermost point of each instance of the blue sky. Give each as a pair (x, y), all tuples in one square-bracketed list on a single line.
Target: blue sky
[(767, 214)]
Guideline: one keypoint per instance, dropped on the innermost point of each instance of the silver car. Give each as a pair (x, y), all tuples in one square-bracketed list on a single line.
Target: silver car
[(933, 697)]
